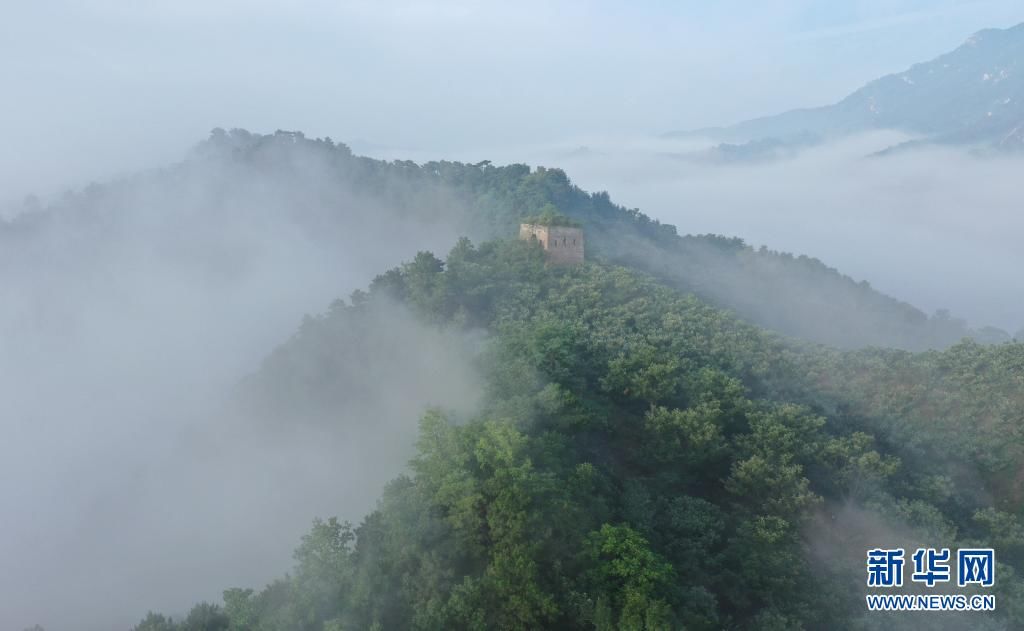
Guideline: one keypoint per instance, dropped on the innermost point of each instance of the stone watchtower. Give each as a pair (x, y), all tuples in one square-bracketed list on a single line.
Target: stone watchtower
[(563, 245)]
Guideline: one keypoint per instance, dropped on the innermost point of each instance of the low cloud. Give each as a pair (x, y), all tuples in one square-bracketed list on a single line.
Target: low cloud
[(128, 315)]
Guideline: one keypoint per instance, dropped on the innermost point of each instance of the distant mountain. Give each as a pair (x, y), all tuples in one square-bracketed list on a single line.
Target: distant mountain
[(973, 95), (759, 150)]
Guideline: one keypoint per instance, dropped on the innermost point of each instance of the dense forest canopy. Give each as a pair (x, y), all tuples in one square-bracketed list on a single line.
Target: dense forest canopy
[(642, 460)]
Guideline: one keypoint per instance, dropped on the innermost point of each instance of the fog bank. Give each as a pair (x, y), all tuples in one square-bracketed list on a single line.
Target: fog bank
[(128, 314)]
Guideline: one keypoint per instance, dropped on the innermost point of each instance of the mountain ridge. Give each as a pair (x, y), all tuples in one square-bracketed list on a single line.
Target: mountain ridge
[(641, 460), (323, 189), (972, 95)]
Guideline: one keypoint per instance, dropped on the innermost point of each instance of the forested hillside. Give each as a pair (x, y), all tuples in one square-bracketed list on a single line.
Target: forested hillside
[(642, 460), (342, 201)]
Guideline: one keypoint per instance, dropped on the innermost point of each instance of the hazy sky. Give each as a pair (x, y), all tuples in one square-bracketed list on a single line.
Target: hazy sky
[(97, 88)]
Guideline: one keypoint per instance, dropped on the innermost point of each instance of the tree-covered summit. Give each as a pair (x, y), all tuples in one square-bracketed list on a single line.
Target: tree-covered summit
[(642, 460), (551, 216)]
